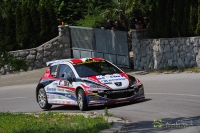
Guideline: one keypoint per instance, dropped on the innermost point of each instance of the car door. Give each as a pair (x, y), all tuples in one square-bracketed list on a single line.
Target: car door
[(61, 90), (65, 85)]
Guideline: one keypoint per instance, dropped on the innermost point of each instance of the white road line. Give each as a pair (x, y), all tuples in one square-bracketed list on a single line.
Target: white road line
[(174, 94), (13, 98)]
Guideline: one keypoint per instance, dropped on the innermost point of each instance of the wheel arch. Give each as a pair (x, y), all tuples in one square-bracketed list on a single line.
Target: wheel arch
[(78, 88), (37, 89)]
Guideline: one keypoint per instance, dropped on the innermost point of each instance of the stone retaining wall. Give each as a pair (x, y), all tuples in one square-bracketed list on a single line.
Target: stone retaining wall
[(165, 52), (147, 53), (57, 48)]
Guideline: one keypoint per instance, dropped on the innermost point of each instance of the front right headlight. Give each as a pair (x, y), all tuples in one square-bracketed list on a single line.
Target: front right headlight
[(133, 81)]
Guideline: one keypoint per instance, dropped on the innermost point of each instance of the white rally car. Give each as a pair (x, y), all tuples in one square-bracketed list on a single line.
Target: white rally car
[(86, 82)]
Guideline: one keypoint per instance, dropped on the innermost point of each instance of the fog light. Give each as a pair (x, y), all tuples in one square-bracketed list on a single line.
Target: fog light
[(141, 90), (94, 98)]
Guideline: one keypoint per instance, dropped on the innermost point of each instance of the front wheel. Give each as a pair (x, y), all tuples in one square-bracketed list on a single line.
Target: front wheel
[(81, 99), (42, 99)]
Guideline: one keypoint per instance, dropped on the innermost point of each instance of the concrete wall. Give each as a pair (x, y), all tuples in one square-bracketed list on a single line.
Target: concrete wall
[(57, 48), (164, 52)]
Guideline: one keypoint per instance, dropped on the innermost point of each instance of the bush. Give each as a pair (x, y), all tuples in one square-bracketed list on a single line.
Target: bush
[(90, 21), (14, 63), (18, 64)]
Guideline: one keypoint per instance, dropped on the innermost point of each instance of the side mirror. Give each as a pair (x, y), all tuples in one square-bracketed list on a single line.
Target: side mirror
[(70, 79)]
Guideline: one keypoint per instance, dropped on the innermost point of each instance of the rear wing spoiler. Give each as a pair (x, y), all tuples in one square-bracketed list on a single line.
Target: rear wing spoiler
[(56, 61)]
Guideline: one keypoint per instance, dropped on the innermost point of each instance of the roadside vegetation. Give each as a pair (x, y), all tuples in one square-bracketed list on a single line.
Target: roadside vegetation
[(51, 122), (41, 18)]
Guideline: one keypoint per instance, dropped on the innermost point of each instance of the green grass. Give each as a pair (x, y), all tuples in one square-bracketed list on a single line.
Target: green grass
[(50, 123)]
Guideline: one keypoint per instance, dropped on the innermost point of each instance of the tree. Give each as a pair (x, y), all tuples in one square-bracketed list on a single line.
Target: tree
[(122, 9), (3, 16), (44, 20), (35, 20), (2, 12), (185, 23), (18, 26), (198, 24), (153, 30), (2, 35), (26, 25), (174, 19), (169, 19), (193, 17), (7, 38), (179, 16), (10, 40), (52, 18)]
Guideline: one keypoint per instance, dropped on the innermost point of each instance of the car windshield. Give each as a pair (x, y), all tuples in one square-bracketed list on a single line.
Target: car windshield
[(95, 68)]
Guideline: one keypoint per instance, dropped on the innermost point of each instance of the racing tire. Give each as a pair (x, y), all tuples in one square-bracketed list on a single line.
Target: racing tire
[(42, 99), (81, 100)]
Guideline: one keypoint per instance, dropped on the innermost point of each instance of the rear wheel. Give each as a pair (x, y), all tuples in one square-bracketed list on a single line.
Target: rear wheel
[(42, 99), (81, 99)]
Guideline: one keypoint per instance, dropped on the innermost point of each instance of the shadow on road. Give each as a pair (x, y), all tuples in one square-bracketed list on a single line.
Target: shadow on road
[(163, 125)]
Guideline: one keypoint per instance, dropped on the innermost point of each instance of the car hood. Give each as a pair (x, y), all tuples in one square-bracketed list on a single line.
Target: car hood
[(113, 81)]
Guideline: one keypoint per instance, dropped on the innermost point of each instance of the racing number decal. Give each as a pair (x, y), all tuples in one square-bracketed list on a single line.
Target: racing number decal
[(64, 83)]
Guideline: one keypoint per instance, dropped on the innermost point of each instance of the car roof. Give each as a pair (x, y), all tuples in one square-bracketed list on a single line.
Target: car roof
[(73, 61)]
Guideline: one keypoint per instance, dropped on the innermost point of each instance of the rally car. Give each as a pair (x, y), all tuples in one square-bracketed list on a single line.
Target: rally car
[(86, 82)]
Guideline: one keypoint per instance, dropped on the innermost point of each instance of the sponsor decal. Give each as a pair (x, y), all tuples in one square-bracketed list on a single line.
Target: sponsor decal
[(68, 91), (51, 89), (68, 95), (59, 89), (101, 78), (50, 96), (51, 101), (90, 61), (110, 78)]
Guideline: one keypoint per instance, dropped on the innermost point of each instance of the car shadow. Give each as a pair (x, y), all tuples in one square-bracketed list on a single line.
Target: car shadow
[(117, 105), (61, 108)]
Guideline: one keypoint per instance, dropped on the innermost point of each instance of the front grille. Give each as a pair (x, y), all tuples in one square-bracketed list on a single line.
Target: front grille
[(114, 94)]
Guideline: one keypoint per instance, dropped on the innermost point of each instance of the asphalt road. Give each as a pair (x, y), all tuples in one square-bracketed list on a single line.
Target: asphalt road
[(171, 100)]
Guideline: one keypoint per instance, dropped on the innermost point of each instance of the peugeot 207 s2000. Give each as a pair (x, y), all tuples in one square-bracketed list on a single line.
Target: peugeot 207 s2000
[(86, 82)]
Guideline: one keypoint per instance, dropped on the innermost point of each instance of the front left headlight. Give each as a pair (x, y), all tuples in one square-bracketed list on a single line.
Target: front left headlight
[(93, 85)]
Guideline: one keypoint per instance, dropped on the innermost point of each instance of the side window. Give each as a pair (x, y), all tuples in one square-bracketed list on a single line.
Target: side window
[(54, 70), (65, 69)]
